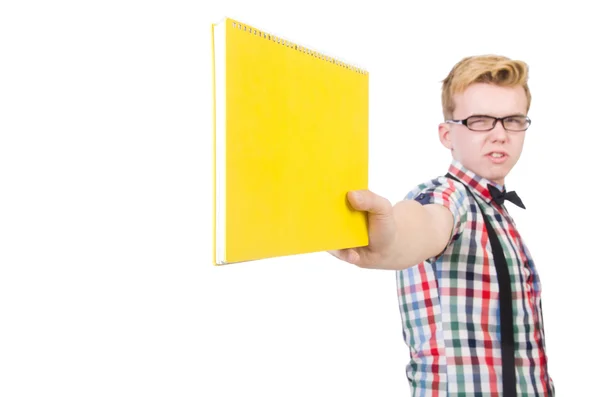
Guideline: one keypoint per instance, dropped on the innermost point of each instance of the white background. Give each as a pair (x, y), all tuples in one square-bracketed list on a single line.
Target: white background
[(106, 281)]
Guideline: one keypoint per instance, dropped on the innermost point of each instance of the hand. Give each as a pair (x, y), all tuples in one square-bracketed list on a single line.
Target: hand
[(382, 231)]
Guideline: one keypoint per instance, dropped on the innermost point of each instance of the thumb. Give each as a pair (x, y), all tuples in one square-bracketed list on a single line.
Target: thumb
[(365, 200)]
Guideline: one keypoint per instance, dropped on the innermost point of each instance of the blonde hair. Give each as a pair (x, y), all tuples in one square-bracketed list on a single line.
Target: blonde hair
[(491, 69)]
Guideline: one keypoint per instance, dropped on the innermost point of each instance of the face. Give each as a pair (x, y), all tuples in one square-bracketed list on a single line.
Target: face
[(474, 148)]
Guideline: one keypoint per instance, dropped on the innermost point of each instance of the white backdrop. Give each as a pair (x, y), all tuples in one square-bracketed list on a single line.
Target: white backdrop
[(106, 281)]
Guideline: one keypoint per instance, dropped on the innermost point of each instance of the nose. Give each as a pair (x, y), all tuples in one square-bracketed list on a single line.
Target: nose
[(498, 133)]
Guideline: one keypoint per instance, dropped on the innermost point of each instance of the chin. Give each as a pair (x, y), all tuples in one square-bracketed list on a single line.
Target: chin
[(497, 175), (492, 173), (497, 178)]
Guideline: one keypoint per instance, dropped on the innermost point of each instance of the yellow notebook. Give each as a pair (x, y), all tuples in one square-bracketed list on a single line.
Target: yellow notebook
[(290, 140)]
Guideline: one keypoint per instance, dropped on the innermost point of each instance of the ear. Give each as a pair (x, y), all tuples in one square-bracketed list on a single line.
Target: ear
[(444, 135)]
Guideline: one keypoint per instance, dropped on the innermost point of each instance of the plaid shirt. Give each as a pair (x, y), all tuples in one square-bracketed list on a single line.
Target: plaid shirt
[(449, 304)]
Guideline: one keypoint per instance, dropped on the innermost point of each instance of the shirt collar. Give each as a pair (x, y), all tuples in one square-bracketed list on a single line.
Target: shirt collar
[(477, 183)]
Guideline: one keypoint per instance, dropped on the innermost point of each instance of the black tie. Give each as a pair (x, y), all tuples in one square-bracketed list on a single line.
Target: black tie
[(499, 196)]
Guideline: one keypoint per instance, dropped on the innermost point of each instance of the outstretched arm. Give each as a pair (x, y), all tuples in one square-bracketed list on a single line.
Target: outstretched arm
[(400, 236)]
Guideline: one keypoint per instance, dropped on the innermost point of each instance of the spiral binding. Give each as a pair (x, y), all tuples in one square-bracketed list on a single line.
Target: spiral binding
[(289, 44)]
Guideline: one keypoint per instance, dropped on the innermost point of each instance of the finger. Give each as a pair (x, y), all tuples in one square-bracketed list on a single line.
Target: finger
[(352, 256), (347, 255), (365, 200), (335, 253)]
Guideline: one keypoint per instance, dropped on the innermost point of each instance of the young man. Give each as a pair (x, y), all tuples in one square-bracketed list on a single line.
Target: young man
[(468, 288)]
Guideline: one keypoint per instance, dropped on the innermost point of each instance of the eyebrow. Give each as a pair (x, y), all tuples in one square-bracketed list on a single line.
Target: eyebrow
[(488, 115)]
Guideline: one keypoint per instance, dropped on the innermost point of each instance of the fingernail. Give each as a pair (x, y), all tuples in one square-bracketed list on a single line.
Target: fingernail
[(358, 196)]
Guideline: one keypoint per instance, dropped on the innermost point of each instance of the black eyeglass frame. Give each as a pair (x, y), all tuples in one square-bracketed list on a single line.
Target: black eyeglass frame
[(496, 119)]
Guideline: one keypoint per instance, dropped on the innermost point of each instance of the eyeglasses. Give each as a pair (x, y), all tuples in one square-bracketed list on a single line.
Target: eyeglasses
[(487, 123)]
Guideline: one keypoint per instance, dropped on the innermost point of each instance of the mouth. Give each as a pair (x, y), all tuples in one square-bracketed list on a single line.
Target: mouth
[(497, 157)]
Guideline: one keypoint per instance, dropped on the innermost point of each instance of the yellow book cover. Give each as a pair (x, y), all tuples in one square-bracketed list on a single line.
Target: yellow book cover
[(290, 141)]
